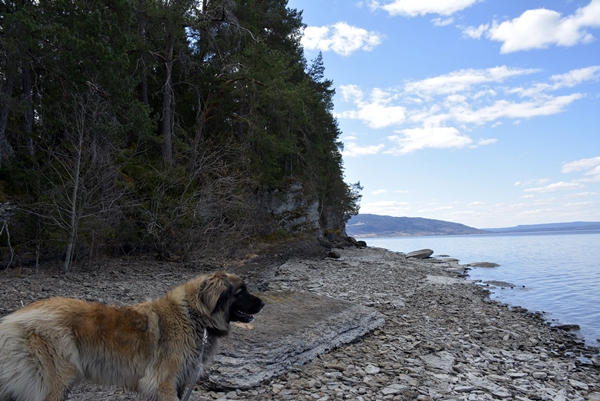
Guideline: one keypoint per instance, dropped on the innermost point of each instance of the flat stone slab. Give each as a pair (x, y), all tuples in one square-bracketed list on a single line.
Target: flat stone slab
[(483, 264), (420, 254), (292, 329)]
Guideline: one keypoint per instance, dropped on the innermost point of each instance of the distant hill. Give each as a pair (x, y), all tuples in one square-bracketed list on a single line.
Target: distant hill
[(372, 226), (574, 226)]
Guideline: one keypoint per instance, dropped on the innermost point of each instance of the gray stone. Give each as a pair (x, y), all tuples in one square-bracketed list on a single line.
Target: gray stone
[(442, 360), (483, 264), (372, 370), (394, 389), (420, 254), (464, 389), (568, 327), (561, 396), (578, 385), (497, 283), (293, 329), (334, 255)]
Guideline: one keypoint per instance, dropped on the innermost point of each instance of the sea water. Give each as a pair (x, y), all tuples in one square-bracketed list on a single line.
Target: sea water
[(557, 273)]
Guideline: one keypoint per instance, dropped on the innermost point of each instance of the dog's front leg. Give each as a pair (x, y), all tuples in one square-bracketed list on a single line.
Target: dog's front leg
[(157, 387), (167, 392)]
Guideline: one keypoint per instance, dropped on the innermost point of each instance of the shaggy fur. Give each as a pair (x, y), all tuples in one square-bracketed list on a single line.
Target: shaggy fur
[(152, 348)]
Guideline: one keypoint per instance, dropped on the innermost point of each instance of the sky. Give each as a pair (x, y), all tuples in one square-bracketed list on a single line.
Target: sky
[(480, 112)]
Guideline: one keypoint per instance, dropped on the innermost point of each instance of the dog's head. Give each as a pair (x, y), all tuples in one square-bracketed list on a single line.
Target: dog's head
[(225, 295)]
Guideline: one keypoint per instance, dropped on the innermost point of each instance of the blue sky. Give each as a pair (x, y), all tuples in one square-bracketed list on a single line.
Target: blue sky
[(481, 112)]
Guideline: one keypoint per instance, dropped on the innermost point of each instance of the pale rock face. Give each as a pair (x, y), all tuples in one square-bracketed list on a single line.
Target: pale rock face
[(294, 209)]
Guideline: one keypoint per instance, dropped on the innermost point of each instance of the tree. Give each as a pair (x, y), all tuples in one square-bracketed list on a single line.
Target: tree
[(81, 180), (172, 32)]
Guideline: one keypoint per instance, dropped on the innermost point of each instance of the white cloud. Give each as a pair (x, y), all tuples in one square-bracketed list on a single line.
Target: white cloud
[(576, 77), (592, 165), (414, 139), (483, 142), (475, 32), (542, 28), (436, 209), (351, 93), (537, 181), (514, 110), (581, 194), (341, 38), (379, 191), (536, 211), (442, 21), (579, 204), (376, 112), (591, 168), (594, 176), (559, 186), (463, 80), (559, 81), (351, 149), (412, 8), (387, 208)]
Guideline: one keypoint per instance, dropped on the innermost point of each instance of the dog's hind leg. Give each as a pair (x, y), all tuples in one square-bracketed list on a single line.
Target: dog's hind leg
[(55, 373)]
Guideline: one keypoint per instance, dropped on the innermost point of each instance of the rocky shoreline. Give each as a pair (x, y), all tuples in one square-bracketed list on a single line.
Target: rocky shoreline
[(443, 339)]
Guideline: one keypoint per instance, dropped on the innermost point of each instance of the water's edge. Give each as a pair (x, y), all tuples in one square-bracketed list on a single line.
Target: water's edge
[(556, 273)]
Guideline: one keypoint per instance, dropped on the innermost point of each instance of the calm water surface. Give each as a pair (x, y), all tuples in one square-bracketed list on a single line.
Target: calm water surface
[(555, 273)]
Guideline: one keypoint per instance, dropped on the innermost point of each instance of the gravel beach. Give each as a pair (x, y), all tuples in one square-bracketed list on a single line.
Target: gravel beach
[(443, 339)]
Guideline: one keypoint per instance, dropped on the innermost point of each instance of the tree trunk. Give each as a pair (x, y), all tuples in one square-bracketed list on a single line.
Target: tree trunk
[(167, 115), (73, 203), (6, 150), (144, 66), (144, 79), (199, 131), (28, 97)]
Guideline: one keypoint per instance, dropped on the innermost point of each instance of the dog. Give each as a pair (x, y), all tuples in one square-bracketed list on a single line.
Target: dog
[(153, 348)]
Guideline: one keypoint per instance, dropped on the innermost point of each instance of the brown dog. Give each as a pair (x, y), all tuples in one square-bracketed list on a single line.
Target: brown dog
[(152, 348)]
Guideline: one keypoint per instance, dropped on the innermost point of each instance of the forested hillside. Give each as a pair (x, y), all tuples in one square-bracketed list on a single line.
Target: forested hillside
[(151, 126)]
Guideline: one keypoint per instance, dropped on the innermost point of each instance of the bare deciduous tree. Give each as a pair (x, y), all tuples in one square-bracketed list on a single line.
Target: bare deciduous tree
[(205, 209), (81, 178)]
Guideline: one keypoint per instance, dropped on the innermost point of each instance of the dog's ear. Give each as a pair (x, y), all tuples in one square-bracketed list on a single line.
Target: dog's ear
[(215, 292)]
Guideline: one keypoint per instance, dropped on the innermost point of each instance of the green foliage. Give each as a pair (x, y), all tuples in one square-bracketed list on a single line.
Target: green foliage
[(224, 83)]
